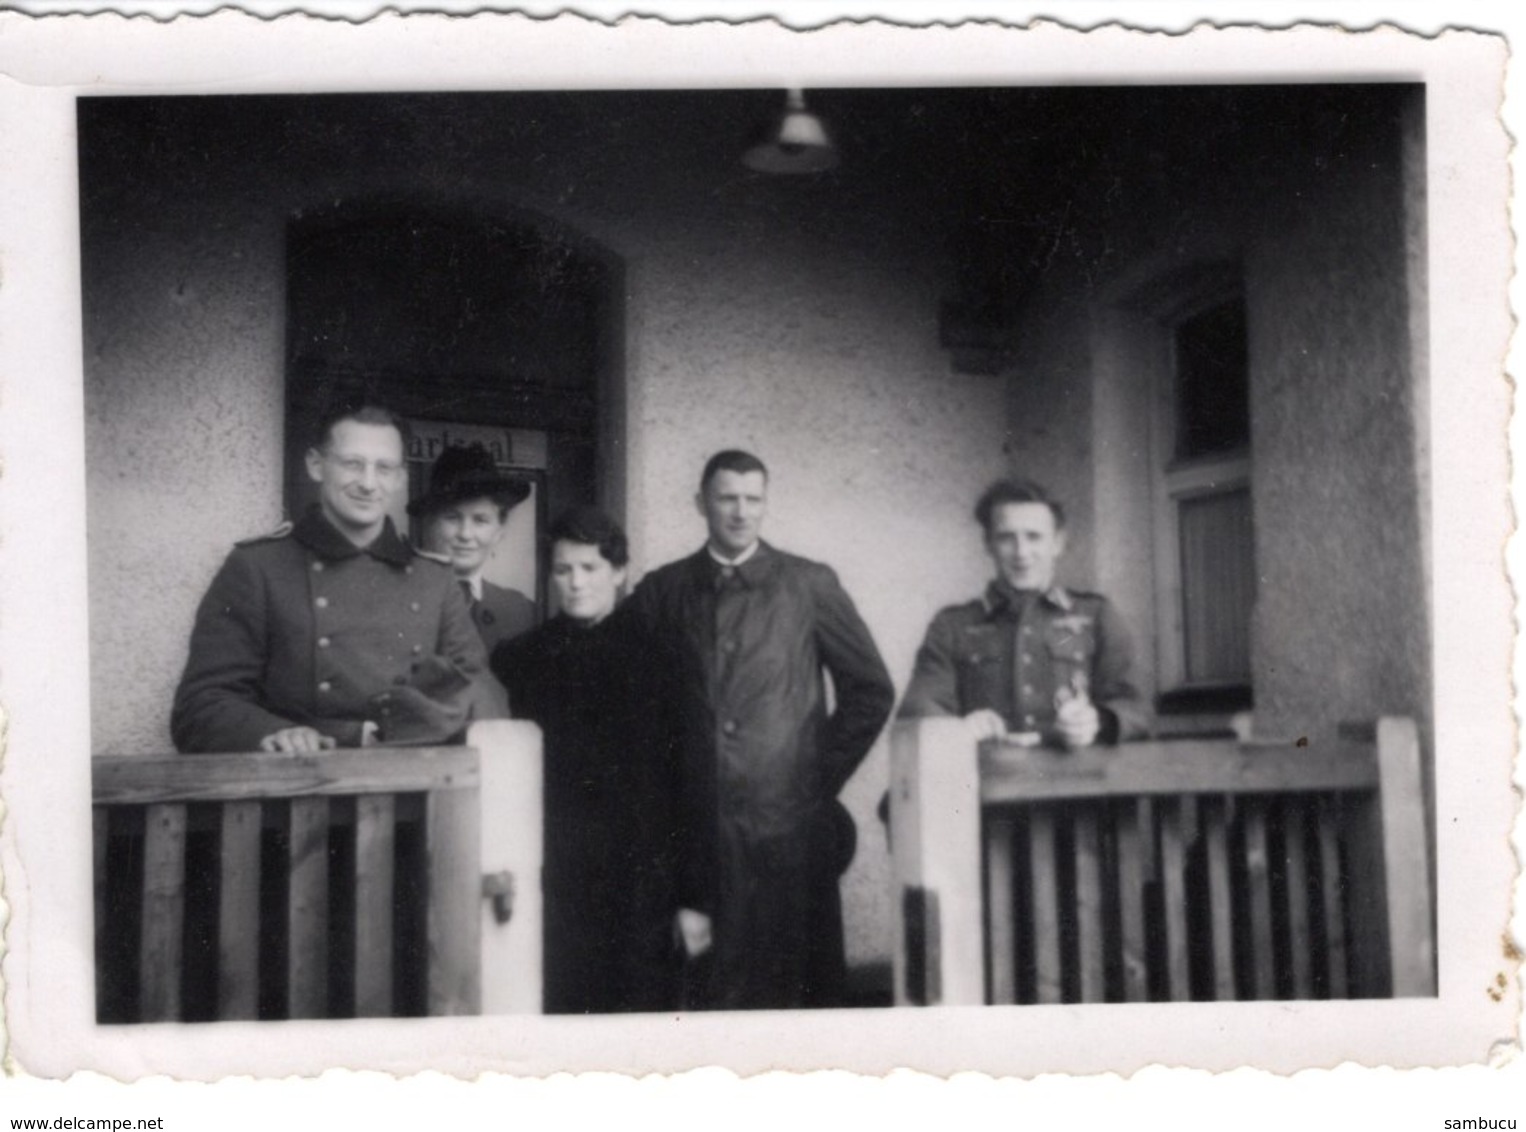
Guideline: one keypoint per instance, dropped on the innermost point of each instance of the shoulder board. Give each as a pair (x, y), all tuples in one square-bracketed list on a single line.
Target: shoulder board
[(442, 559), (280, 532), (962, 610), (1085, 595)]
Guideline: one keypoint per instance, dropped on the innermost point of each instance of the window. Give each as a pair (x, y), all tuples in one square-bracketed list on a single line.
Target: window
[(1205, 544)]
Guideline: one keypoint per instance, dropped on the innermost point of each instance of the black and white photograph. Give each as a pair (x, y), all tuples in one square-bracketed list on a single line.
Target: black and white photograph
[(627, 567)]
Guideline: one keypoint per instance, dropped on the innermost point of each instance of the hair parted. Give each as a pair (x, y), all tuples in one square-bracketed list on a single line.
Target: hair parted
[(731, 460), (591, 527), (1015, 490), (361, 412)]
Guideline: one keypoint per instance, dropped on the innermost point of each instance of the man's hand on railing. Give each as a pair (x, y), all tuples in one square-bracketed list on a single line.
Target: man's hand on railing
[(1077, 722), (984, 723), (692, 928), (296, 741)]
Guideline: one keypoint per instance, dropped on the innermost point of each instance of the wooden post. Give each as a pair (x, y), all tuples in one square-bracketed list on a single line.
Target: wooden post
[(935, 849), (1406, 864), (511, 838), (238, 917), (163, 913), (375, 895), (454, 842), (307, 909)]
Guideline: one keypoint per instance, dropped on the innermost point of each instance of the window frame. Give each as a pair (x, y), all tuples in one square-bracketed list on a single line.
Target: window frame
[(1174, 480)]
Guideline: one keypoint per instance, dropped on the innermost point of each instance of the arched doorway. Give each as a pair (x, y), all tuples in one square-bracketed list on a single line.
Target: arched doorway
[(503, 328)]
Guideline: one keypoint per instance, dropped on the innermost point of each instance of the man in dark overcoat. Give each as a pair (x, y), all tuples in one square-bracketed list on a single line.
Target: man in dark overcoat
[(333, 631), (747, 634)]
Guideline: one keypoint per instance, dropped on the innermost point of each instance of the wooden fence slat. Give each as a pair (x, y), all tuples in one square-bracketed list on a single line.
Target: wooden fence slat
[(1216, 838), (127, 780), (1406, 874), (100, 834), (453, 835), (375, 867), (1327, 819), (1299, 939), (163, 913), (1133, 834), (935, 847), (1174, 889), (1258, 881), (1088, 856), (307, 909), (1367, 944), (1000, 907), (1046, 904), (1030, 774), (238, 912)]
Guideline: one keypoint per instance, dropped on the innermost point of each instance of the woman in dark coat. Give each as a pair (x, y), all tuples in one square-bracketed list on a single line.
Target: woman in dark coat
[(586, 679)]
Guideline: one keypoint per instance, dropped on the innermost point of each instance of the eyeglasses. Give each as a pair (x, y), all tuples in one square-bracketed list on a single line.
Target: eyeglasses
[(354, 467)]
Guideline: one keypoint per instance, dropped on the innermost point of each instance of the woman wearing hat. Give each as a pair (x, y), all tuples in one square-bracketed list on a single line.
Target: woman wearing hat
[(463, 515)]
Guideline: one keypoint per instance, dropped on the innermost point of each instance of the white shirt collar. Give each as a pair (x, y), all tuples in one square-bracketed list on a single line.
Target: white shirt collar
[(738, 560), (474, 582)]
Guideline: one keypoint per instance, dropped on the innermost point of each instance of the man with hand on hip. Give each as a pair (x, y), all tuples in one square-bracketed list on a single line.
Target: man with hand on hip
[(748, 635)]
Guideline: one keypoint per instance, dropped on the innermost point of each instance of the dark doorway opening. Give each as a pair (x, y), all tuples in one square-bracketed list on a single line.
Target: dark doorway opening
[(478, 326)]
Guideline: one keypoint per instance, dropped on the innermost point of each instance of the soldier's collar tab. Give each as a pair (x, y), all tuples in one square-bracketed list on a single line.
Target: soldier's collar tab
[(1000, 596)]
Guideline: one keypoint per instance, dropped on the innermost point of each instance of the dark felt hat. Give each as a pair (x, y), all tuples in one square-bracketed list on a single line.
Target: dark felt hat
[(467, 472)]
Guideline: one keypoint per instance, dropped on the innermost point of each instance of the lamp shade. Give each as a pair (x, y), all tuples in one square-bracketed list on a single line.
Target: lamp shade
[(797, 142)]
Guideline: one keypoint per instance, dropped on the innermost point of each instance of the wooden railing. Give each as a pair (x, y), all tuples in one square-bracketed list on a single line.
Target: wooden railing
[(344, 883), (1191, 869)]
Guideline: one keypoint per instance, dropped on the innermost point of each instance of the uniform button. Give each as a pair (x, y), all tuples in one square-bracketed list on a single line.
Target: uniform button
[(1027, 689), (413, 605), (418, 648), (1027, 658), (729, 727), (317, 567), (407, 569), (1028, 720), (321, 603), (730, 646), (324, 686)]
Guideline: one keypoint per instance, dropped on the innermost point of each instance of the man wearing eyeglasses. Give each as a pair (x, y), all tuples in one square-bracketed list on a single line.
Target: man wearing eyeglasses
[(332, 632)]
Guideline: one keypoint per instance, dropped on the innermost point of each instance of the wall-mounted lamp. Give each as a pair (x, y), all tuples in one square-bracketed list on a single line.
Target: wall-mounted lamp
[(797, 143)]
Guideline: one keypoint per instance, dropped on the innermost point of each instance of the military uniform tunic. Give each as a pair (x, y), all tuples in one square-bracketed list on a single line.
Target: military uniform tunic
[(306, 629), (1019, 654)]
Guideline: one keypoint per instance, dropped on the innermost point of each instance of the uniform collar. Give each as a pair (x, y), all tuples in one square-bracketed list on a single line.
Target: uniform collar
[(1001, 596), (315, 532)]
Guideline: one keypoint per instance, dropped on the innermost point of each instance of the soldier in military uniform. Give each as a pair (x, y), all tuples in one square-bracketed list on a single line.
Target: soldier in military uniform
[(333, 631), (1029, 659)]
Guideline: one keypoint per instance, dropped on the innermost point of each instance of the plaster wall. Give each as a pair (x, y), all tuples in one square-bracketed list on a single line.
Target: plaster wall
[(1341, 619), (761, 314)]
